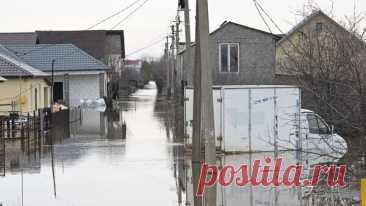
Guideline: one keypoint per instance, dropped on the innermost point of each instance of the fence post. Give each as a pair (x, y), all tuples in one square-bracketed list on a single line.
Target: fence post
[(1, 128), (28, 125), (13, 128), (22, 130), (34, 125), (8, 127)]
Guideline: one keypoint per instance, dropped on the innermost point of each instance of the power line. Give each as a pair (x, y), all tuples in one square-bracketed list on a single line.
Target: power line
[(262, 17), (146, 47), (268, 16), (130, 14), (113, 15), (91, 27)]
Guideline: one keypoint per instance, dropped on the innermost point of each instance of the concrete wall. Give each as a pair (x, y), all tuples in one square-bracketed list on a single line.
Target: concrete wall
[(256, 56), (12, 89)]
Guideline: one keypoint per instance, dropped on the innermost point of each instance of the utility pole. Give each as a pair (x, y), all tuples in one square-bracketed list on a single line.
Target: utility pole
[(173, 69), (203, 120), (167, 66), (177, 68), (187, 29)]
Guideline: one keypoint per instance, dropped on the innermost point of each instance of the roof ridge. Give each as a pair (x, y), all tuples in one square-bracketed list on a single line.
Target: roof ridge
[(305, 20), (225, 23), (89, 56)]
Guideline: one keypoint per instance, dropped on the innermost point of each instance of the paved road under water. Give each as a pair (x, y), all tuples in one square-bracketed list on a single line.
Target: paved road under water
[(95, 166)]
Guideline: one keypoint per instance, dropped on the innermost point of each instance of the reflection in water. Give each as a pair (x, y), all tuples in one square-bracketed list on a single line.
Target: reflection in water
[(234, 195), (96, 166)]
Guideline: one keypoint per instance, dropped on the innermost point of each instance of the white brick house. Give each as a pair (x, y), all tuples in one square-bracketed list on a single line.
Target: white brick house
[(77, 75)]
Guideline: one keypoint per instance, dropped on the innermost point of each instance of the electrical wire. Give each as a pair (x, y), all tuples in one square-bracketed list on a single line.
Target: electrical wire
[(113, 15), (146, 47), (130, 14), (91, 27), (268, 16), (262, 17)]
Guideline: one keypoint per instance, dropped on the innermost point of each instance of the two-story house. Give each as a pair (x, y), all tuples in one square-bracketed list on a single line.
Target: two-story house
[(239, 55)]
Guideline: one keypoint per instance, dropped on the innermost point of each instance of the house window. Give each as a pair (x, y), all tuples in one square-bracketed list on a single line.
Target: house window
[(319, 27), (229, 57)]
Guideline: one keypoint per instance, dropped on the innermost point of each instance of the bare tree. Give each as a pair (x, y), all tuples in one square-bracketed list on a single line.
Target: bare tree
[(328, 61)]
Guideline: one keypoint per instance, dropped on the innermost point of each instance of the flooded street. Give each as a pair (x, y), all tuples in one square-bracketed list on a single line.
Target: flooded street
[(95, 166)]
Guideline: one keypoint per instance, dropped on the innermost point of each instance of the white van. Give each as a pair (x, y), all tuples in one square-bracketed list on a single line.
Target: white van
[(264, 118)]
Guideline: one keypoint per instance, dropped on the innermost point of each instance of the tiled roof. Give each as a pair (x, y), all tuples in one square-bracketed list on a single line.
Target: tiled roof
[(12, 66), (18, 38), (67, 57), (9, 69)]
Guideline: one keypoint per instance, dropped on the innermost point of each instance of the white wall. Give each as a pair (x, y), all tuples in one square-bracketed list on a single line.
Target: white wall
[(82, 87)]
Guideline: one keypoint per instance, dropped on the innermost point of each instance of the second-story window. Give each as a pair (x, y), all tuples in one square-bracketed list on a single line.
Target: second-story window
[(229, 57), (319, 27)]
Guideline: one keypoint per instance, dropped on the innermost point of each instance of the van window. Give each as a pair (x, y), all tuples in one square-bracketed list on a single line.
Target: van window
[(323, 128), (313, 124), (317, 125)]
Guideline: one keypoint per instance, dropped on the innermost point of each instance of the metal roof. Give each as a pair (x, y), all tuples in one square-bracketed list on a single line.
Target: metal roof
[(12, 66), (67, 57)]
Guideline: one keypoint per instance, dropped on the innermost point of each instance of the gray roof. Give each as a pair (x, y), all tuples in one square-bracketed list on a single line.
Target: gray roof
[(67, 57), (306, 20), (18, 38), (225, 23), (93, 42), (12, 66)]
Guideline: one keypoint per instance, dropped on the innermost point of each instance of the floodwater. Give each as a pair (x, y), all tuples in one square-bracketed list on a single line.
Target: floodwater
[(96, 166)]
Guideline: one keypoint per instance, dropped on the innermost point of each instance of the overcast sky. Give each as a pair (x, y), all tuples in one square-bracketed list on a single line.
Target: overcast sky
[(151, 22)]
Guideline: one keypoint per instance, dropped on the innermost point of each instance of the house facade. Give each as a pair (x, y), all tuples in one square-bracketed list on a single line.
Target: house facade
[(77, 75), (313, 38), (239, 55), (25, 89), (302, 38)]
